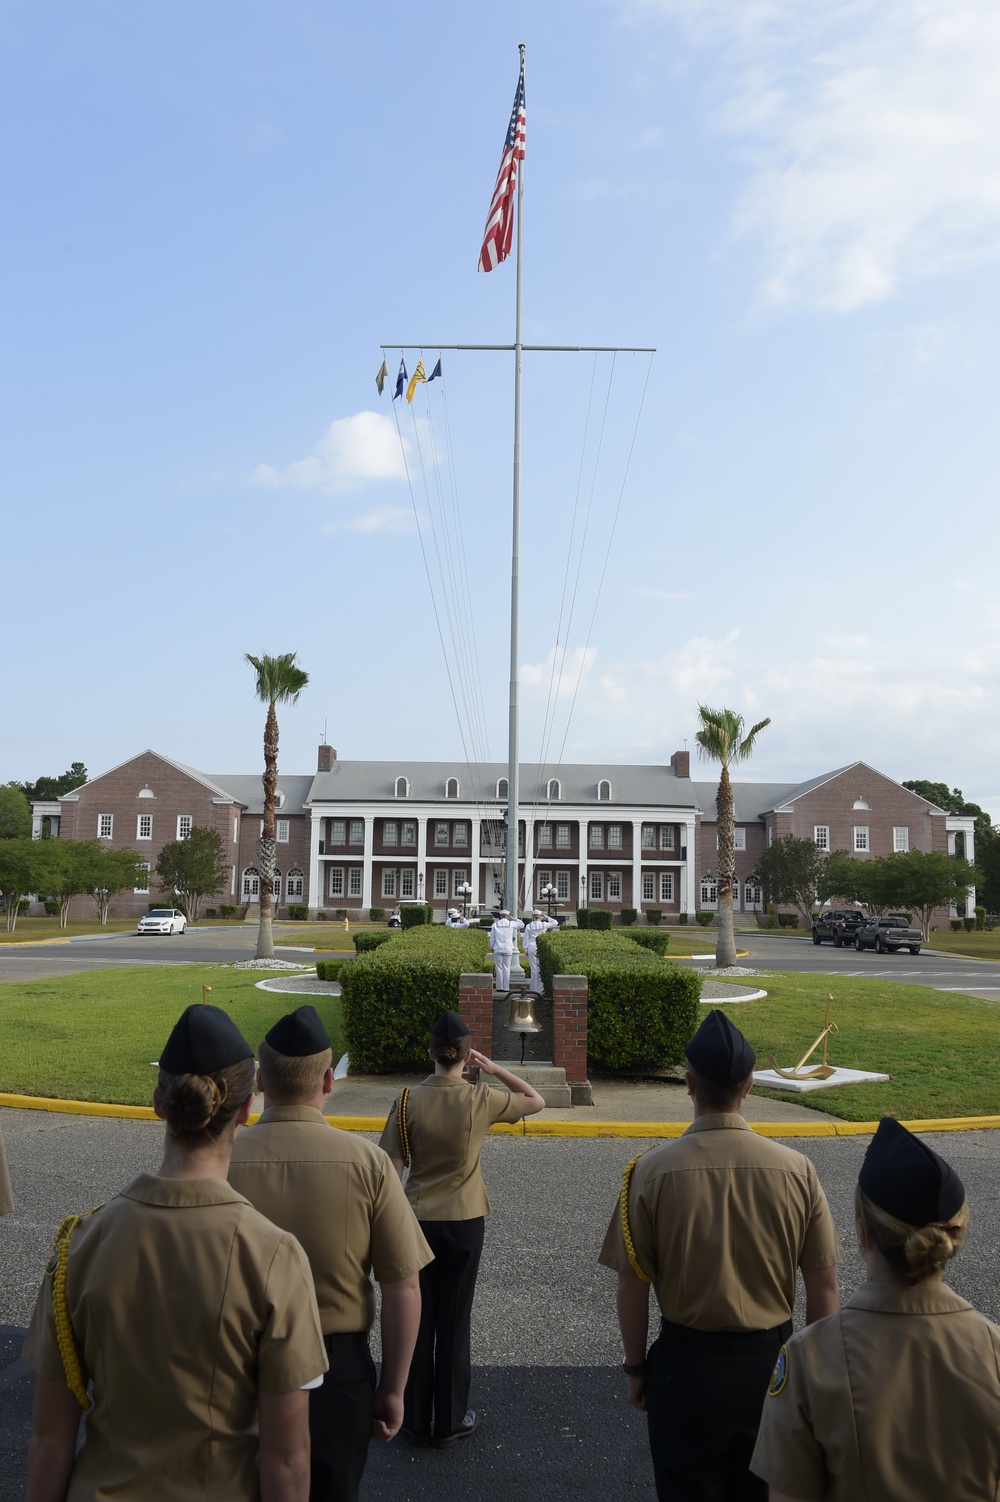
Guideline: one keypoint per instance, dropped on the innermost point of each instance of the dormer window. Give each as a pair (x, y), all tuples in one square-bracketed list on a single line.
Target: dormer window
[(604, 791), (451, 788), (553, 790), (279, 798), (402, 787), (503, 789)]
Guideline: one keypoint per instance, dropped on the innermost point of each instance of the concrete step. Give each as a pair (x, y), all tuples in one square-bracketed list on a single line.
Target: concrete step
[(550, 1082)]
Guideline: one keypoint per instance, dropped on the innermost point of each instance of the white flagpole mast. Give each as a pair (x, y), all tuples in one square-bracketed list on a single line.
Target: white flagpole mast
[(513, 766)]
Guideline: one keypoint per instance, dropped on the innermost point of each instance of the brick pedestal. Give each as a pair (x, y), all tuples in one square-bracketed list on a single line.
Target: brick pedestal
[(569, 1025), (475, 1007)]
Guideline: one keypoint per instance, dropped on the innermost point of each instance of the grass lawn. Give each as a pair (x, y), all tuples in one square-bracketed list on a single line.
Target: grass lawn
[(979, 946), (940, 1049), (92, 1036), (34, 930)]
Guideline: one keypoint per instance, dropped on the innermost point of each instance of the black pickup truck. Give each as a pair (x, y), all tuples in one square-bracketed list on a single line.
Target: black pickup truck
[(839, 924), (887, 935)]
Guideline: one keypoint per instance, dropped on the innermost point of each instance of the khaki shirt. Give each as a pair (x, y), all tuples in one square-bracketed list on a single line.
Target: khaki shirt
[(185, 1303), (446, 1120), (720, 1220), (340, 1198), (6, 1193), (894, 1398)]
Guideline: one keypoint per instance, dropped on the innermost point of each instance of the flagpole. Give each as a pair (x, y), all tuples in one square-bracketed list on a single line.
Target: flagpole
[(513, 766)]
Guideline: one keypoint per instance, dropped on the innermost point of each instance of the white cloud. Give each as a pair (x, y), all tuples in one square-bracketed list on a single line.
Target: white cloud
[(871, 130), (380, 519), (354, 451)]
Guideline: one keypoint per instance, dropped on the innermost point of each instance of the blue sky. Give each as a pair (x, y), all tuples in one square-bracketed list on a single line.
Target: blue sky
[(215, 214)]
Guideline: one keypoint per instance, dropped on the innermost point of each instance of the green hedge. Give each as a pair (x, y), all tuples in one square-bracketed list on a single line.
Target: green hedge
[(331, 969), (366, 941), (629, 915), (654, 914), (298, 912), (704, 917), (416, 914), (393, 995), (657, 941), (593, 918), (376, 914), (641, 1010)]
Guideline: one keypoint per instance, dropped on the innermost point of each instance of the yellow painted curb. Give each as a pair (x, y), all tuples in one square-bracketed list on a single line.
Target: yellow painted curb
[(535, 1128), (34, 943)]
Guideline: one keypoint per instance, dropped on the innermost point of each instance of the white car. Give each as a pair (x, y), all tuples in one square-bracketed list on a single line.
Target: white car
[(163, 920)]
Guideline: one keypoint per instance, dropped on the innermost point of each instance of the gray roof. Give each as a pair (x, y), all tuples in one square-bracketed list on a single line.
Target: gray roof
[(359, 781), (249, 790), (751, 800)]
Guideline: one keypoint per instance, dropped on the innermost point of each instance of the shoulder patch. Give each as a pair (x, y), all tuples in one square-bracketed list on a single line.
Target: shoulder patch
[(780, 1374)]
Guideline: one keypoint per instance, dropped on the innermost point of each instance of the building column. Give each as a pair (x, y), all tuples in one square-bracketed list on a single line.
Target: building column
[(420, 879), (970, 856), (530, 900), (366, 857), (689, 896), (314, 894), (637, 864)]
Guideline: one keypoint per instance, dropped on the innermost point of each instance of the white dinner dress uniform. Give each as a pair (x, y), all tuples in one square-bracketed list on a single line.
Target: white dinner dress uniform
[(535, 927)]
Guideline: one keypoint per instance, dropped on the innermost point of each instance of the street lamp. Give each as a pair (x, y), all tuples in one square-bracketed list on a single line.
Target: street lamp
[(550, 894), (583, 889), (465, 892), (420, 886)]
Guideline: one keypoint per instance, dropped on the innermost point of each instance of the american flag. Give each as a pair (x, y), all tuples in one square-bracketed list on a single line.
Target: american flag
[(500, 219)]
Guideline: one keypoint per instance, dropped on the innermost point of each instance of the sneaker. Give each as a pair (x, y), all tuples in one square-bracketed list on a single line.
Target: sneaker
[(469, 1426)]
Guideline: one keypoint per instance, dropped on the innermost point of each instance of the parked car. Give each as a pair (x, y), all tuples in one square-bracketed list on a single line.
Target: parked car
[(886, 935), (839, 924), (163, 920)]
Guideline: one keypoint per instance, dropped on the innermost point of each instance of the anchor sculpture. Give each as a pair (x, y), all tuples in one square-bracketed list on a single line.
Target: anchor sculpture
[(820, 1071)]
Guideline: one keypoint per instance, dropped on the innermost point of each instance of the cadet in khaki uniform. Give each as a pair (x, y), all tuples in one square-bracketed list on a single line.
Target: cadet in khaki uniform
[(340, 1197), (6, 1193), (193, 1318), (437, 1128), (897, 1397), (719, 1221)]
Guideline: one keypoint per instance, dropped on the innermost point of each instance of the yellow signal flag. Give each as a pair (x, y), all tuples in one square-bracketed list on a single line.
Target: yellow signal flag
[(418, 375)]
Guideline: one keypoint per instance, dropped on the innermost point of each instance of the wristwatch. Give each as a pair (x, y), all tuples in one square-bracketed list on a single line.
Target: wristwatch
[(633, 1371)]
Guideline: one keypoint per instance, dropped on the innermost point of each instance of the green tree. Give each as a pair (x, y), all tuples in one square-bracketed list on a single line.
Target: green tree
[(279, 681), (55, 787), (70, 874), (722, 738), (193, 868), (953, 802), (928, 879), (873, 882), (790, 871), (25, 867), (15, 812), (110, 872)]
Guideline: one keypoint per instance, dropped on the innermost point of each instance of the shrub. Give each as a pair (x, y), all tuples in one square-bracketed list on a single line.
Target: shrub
[(980, 917), (788, 920), (704, 918), (657, 942), (376, 914), (298, 912), (340, 912), (394, 994), (640, 1010), (599, 919), (956, 925), (582, 915), (416, 914), (331, 969), (654, 915), (772, 915), (629, 915), (968, 924), (227, 909), (322, 914), (682, 917), (365, 942), (51, 906), (22, 907)]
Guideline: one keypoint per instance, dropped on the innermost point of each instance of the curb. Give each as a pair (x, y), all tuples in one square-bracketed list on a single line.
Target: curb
[(532, 1128)]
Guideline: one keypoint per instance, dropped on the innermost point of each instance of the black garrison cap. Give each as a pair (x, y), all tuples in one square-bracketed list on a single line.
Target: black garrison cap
[(719, 1051), (907, 1179), (204, 1039), (448, 1027), (298, 1034)]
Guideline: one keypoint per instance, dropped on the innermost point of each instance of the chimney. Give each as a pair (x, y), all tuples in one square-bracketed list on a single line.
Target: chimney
[(680, 763), (326, 758)]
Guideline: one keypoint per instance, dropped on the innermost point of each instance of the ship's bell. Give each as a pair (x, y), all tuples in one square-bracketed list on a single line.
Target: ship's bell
[(523, 1019)]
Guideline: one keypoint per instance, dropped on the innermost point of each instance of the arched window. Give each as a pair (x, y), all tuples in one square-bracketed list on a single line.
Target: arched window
[(402, 787), (276, 886), (295, 884), (451, 788), (860, 803), (146, 792), (503, 789), (604, 791), (553, 790), (250, 885)]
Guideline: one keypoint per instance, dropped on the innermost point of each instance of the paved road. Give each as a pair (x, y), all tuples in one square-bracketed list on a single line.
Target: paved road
[(942, 972), (198, 946), (545, 1338)]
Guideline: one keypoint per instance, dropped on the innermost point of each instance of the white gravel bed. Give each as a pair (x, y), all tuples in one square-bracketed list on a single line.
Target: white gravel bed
[(268, 965)]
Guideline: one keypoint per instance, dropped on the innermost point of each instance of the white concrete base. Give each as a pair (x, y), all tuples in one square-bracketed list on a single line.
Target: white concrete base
[(735, 1000), (775, 1081)]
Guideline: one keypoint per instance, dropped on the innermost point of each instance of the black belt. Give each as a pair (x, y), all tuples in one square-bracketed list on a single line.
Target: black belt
[(341, 1340), (687, 1338)]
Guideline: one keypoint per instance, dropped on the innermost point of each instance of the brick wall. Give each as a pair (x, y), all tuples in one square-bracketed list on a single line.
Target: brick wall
[(475, 1007), (569, 1025)]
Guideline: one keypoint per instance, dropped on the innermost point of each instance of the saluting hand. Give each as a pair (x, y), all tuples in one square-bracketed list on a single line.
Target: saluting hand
[(479, 1061)]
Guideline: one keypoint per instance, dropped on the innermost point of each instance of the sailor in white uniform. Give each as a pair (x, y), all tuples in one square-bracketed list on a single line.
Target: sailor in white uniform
[(539, 924), (503, 942), (454, 919)]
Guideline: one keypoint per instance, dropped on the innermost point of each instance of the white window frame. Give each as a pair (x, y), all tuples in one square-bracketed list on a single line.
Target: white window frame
[(615, 837), (545, 836), (648, 837), (666, 886), (143, 830), (503, 787), (441, 882), (458, 879), (356, 832), (295, 883), (900, 839), (402, 787), (388, 882), (562, 886), (406, 877), (408, 832), (614, 886), (460, 834), (185, 824), (648, 886), (821, 836), (442, 835), (862, 837), (336, 881), (236, 831), (602, 796), (752, 897), (553, 789), (355, 881), (338, 831), (564, 837), (105, 826), (390, 832), (709, 893), (543, 879), (595, 837), (666, 837), (250, 884), (453, 788), (281, 831), (596, 886), (739, 839), (143, 866)]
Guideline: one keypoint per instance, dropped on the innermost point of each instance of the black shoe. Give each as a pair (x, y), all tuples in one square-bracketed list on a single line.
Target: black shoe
[(469, 1426)]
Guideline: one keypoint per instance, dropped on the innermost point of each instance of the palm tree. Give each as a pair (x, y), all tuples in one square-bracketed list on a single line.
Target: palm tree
[(722, 739), (279, 681)]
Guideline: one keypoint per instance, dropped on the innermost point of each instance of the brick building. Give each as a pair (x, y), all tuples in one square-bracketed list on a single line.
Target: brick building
[(357, 834)]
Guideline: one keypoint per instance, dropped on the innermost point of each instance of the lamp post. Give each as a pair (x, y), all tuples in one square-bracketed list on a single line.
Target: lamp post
[(420, 886), (465, 892), (550, 894), (583, 889)]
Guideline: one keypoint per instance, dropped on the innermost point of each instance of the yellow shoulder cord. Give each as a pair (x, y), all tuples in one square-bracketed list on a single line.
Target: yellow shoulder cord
[(626, 1231), (57, 1271), (404, 1135)]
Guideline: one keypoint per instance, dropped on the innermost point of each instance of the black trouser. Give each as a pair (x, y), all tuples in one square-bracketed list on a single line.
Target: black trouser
[(441, 1370), (704, 1394), (340, 1419)]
